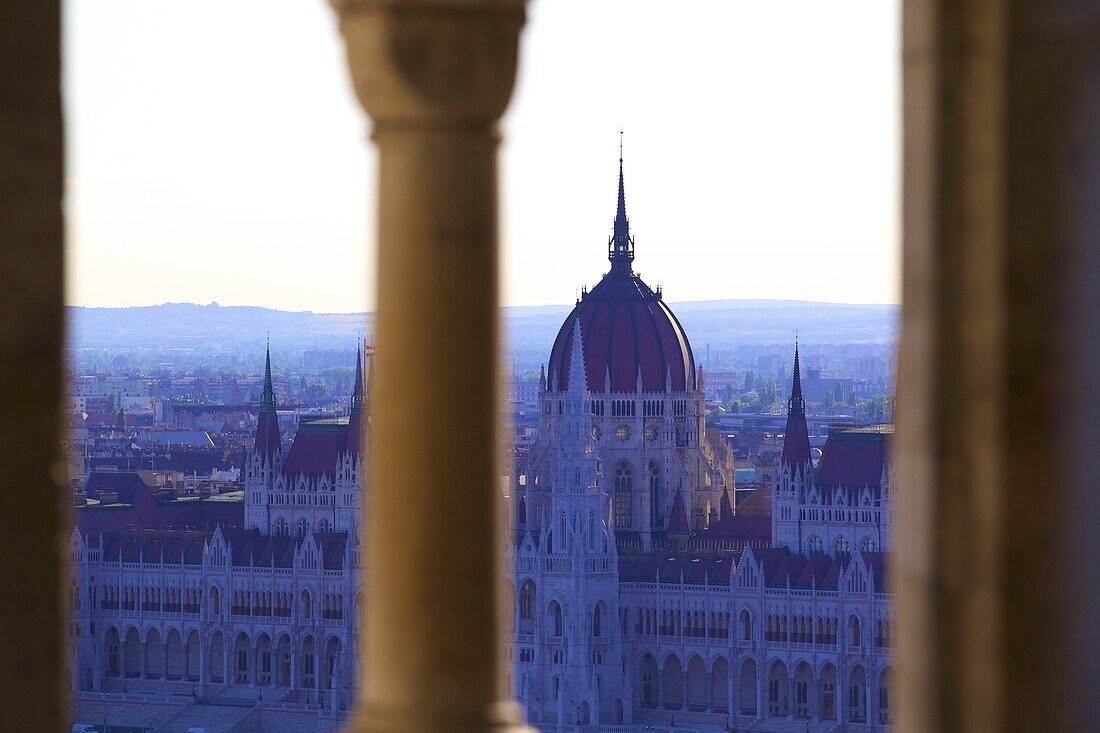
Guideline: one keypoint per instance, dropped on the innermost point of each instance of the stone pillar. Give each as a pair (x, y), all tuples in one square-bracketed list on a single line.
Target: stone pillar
[(710, 691), (734, 692), (143, 665), (435, 76), (31, 299), (790, 696), (164, 663), (814, 693), (998, 366)]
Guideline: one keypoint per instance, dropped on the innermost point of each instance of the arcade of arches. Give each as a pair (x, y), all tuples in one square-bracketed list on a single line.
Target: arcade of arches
[(787, 690)]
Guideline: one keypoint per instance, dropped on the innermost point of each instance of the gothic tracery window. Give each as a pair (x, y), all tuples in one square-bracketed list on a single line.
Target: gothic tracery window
[(624, 484), (654, 475)]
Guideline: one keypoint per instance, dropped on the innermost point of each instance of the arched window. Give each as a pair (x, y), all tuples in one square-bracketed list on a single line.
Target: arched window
[(867, 545), (307, 605), (597, 624), (526, 600), (840, 547), (853, 631), (624, 488), (215, 600), (653, 471), (814, 546), (556, 618)]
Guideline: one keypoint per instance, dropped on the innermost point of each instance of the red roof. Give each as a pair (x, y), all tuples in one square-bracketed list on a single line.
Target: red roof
[(267, 433), (855, 458), (696, 568), (317, 448)]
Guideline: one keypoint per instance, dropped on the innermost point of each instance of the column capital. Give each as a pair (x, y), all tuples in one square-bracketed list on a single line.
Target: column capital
[(432, 63)]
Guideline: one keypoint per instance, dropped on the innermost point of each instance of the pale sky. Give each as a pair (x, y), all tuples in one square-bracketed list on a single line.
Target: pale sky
[(216, 153)]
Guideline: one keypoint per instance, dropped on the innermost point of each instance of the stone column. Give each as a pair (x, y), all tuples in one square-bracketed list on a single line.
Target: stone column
[(814, 693), (435, 76), (790, 696), (164, 663), (999, 356), (144, 662), (31, 295)]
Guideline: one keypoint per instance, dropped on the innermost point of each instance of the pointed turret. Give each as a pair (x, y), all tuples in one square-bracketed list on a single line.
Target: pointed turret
[(678, 519), (370, 379), (726, 509), (542, 378), (357, 401), (621, 245), (577, 379), (267, 397), (267, 424), (796, 441), (357, 392)]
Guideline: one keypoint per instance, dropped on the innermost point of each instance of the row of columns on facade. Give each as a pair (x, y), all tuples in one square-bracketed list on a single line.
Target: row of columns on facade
[(230, 668), (785, 705)]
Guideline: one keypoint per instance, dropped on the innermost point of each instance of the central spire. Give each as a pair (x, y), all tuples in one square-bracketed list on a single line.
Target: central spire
[(620, 248)]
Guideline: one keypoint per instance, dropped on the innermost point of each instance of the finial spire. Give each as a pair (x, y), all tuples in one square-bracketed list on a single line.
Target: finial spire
[(621, 245), (267, 397)]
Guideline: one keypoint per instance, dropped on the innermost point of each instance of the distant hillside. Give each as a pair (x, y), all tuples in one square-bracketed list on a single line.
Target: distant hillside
[(213, 329)]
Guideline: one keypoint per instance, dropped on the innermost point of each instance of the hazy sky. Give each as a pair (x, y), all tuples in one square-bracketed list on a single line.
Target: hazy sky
[(215, 152)]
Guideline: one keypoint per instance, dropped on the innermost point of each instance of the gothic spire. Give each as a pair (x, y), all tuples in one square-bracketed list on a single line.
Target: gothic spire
[(267, 398), (357, 394), (621, 245), (796, 404), (578, 379), (796, 438), (370, 378)]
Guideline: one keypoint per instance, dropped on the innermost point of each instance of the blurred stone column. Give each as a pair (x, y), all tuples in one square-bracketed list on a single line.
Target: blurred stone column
[(435, 77), (31, 299), (997, 598)]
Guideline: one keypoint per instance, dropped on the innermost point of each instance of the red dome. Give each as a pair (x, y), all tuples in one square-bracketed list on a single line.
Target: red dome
[(629, 334), (625, 328)]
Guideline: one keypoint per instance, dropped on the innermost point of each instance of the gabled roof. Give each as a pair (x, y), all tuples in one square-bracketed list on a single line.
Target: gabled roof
[(152, 546), (878, 563), (782, 569)]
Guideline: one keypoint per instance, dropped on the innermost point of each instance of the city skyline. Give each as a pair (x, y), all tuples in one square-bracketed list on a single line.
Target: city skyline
[(239, 157)]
